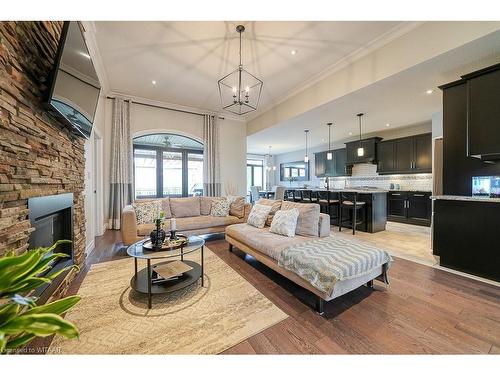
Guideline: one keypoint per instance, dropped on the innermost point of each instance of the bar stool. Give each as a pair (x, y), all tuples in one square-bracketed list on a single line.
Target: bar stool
[(289, 195), (334, 200), (307, 196), (297, 195), (328, 203), (349, 202)]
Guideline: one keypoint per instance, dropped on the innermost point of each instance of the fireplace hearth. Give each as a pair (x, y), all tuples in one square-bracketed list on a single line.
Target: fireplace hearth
[(52, 218)]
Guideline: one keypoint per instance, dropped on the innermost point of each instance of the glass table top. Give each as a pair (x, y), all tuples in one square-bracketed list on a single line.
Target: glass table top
[(137, 251)]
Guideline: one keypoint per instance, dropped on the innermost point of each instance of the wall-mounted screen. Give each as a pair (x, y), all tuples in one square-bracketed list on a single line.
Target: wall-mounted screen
[(75, 86)]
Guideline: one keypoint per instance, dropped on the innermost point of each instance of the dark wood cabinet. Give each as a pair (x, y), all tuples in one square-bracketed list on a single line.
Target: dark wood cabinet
[(405, 155), (331, 168), (483, 114), (409, 207), (370, 151)]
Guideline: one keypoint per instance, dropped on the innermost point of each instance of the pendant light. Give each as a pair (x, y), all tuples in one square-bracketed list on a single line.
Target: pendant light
[(306, 157), (361, 150), (269, 163), (329, 154)]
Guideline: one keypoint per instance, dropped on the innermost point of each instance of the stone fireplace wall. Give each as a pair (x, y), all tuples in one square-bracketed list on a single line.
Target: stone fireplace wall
[(38, 155)]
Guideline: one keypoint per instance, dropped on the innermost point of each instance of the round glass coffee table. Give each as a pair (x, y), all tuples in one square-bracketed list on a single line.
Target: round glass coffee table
[(149, 282)]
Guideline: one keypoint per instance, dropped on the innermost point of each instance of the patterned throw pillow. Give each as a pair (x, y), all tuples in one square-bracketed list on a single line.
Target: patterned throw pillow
[(220, 207), (285, 222), (237, 207), (258, 215), (146, 212)]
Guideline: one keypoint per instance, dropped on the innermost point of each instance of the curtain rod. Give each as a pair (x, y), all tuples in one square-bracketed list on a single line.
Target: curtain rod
[(162, 107)]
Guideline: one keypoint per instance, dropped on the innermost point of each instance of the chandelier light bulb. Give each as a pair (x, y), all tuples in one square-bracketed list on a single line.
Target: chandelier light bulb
[(235, 89)]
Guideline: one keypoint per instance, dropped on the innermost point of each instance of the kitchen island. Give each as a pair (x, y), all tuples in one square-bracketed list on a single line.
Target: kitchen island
[(375, 207)]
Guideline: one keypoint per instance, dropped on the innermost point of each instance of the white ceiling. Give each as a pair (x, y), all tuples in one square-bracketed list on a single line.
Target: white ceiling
[(186, 59), (400, 100)]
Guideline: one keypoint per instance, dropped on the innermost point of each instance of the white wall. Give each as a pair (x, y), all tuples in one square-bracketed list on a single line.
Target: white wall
[(146, 119)]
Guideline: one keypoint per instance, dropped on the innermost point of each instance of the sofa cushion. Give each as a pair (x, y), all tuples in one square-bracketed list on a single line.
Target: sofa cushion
[(185, 207), (190, 223), (308, 221), (275, 206), (258, 215), (205, 205), (165, 207), (285, 222), (237, 207), (220, 207), (261, 239), (147, 211)]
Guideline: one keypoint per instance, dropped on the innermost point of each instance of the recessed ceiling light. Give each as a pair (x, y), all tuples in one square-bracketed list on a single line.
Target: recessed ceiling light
[(387, 125), (350, 133), (430, 91), (153, 82), (293, 52)]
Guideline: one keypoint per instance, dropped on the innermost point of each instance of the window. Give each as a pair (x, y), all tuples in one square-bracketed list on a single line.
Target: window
[(167, 165), (255, 173)]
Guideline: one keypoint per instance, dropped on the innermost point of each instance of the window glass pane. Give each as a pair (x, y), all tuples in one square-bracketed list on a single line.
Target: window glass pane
[(249, 177), (172, 173), (195, 174), (257, 176), (145, 173), (254, 162)]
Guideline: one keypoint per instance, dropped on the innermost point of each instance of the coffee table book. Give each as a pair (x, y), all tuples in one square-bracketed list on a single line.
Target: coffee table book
[(172, 269)]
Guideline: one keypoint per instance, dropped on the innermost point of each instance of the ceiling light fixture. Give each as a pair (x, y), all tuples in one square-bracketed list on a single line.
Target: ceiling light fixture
[(269, 163), (350, 133), (240, 90), (306, 157), (329, 154), (361, 150), (429, 92), (387, 124), (293, 52), (153, 82)]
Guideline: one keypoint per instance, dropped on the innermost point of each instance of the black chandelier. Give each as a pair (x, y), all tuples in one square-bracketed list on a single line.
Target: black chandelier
[(240, 90)]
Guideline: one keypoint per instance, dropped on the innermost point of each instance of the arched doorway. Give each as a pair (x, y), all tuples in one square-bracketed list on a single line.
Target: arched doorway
[(167, 165)]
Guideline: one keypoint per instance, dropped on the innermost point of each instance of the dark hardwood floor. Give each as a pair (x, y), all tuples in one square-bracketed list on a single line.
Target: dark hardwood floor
[(423, 310)]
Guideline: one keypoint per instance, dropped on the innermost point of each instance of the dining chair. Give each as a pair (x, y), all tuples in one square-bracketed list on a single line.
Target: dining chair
[(254, 193), (279, 192)]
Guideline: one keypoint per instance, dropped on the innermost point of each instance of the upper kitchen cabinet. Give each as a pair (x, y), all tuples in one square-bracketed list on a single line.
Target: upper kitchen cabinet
[(405, 155), (331, 168), (370, 151), (483, 113)]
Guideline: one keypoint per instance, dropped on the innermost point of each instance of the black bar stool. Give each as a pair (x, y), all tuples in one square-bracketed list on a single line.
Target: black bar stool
[(328, 203), (289, 195), (355, 208), (307, 196), (297, 195)]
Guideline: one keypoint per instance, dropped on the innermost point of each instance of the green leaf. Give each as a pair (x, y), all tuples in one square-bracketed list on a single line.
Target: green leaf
[(3, 342), (27, 285), (56, 307), (19, 341), (13, 267), (41, 325), (8, 312)]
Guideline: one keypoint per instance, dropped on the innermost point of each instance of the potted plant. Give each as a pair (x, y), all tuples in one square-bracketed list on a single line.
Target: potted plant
[(21, 319)]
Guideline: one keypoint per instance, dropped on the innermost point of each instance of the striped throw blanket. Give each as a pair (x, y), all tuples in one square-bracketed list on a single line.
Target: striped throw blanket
[(324, 261)]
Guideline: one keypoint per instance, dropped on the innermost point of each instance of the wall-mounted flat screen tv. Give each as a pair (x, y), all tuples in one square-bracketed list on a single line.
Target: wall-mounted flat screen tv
[(75, 86)]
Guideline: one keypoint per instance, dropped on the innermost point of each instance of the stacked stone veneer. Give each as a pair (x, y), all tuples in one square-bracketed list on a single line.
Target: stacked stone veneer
[(38, 155)]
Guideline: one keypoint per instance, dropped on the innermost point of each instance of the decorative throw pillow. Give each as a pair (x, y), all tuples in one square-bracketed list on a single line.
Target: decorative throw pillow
[(275, 206), (285, 222), (237, 207), (205, 205), (258, 215), (147, 211), (220, 207), (185, 207), (308, 221)]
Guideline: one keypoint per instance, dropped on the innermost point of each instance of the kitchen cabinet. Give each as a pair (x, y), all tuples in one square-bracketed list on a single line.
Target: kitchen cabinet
[(405, 155), (370, 151), (412, 207), (331, 168), (483, 112)]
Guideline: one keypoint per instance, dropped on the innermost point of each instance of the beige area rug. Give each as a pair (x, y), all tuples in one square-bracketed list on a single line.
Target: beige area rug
[(114, 319)]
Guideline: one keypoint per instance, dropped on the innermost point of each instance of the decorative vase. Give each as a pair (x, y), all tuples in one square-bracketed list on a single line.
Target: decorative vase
[(157, 235)]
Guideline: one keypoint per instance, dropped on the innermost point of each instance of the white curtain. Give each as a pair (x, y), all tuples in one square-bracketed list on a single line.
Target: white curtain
[(211, 161), (121, 189)]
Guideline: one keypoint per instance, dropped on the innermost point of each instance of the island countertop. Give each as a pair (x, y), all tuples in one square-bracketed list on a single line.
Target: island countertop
[(348, 190), (465, 198)]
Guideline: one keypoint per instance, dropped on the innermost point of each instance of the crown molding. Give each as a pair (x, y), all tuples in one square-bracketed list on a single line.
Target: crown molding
[(180, 107), (382, 40), (89, 34)]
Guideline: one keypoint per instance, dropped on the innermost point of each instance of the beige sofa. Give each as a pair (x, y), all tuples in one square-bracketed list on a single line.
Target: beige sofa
[(192, 216), (266, 247)]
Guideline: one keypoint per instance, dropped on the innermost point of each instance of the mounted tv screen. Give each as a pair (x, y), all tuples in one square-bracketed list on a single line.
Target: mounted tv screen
[(75, 86)]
